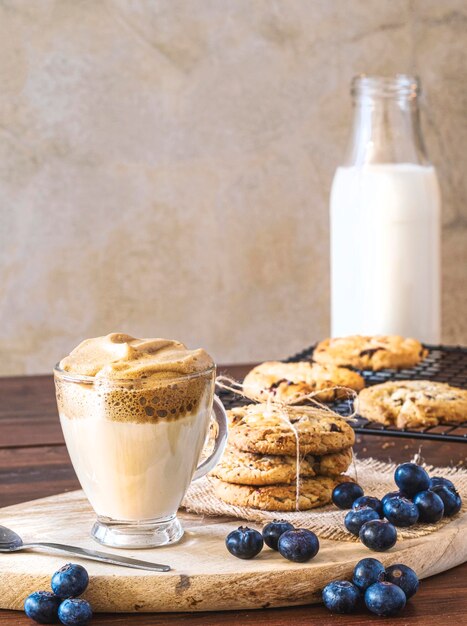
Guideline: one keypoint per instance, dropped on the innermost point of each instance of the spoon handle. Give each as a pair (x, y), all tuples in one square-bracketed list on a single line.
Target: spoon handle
[(104, 557)]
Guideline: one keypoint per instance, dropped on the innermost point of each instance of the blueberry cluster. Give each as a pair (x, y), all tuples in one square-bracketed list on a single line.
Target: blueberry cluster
[(419, 499), (295, 544), (46, 607), (384, 591), (365, 517)]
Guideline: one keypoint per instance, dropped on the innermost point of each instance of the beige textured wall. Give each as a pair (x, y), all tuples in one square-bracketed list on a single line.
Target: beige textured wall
[(165, 165)]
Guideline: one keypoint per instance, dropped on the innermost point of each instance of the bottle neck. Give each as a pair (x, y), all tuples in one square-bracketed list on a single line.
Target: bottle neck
[(386, 127)]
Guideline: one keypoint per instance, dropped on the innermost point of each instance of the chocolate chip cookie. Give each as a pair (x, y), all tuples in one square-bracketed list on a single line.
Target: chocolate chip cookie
[(288, 381), (247, 468), (413, 403), (314, 492), (371, 353), (265, 429)]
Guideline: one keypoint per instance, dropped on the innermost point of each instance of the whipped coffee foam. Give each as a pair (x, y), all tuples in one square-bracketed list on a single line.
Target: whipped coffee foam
[(118, 357), (136, 380)]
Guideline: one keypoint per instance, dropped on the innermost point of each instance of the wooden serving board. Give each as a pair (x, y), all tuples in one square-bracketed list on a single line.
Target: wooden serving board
[(205, 577)]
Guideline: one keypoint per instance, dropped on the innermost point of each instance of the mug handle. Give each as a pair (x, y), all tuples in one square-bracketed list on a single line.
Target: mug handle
[(221, 439)]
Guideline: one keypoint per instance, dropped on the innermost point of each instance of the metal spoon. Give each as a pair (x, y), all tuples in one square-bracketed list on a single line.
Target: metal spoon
[(12, 542)]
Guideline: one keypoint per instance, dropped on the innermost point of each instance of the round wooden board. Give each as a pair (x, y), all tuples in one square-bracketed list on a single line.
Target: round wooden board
[(205, 577)]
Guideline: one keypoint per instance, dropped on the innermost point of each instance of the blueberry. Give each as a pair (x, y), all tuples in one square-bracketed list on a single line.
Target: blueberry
[(451, 499), (42, 607), (439, 480), (367, 572), (244, 543), (384, 599), (298, 545), (401, 512), (404, 577), (345, 494), (75, 612), (378, 535), (70, 580), (341, 596), (354, 520), (373, 503), (393, 494), (430, 506), (273, 530), (411, 478)]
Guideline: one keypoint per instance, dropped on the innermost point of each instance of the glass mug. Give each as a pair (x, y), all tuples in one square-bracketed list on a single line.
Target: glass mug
[(135, 447)]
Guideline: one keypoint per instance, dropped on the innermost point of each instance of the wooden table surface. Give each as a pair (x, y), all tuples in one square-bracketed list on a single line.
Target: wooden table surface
[(34, 463)]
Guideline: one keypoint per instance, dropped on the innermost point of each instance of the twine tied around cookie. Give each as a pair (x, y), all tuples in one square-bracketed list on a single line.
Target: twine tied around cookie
[(282, 409)]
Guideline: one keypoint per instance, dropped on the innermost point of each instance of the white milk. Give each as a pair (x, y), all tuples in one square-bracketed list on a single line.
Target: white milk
[(385, 251), (132, 471)]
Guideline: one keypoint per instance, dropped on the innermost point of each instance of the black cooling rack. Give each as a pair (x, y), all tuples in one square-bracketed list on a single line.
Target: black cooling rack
[(447, 364)]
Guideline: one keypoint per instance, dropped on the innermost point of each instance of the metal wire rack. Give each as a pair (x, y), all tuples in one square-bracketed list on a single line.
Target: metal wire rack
[(447, 364)]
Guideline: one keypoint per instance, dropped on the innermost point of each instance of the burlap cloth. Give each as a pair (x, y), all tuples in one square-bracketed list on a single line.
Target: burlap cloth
[(375, 477)]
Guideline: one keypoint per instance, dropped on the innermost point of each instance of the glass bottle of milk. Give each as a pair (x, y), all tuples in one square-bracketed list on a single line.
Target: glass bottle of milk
[(385, 219)]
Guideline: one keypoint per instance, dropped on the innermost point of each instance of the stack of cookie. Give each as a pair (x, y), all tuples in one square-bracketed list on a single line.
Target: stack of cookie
[(259, 466)]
